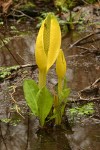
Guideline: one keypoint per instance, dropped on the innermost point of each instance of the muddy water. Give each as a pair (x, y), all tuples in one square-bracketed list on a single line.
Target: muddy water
[(20, 133), (21, 47)]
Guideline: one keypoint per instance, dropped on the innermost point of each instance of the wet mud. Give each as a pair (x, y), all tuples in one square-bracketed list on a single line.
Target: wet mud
[(18, 128)]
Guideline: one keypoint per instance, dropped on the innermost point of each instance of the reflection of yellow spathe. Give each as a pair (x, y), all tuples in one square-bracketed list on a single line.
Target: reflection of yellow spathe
[(60, 69), (47, 46)]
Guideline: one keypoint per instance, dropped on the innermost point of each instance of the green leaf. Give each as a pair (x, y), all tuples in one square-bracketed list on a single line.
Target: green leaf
[(5, 120), (30, 91), (45, 102), (64, 94)]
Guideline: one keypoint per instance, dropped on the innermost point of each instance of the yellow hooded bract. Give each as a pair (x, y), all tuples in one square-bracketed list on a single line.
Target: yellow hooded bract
[(61, 65), (48, 43), (40, 55), (55, 42)]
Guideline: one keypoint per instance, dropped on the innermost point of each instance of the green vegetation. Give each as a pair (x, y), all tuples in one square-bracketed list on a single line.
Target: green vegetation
[(35, 13), (84, 110), (64, 5), (6, 71), (91, 1), (28, 6), (14, 121)]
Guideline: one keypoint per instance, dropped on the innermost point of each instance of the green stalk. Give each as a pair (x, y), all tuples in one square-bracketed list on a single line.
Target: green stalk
[(58, 118), (60, 85), (57, 108), (42, 78), (61, 104), (56, 111)]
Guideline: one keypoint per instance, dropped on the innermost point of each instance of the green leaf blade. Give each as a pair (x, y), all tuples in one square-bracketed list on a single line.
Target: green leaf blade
[(30, 91), (45, 102), (64, 95)]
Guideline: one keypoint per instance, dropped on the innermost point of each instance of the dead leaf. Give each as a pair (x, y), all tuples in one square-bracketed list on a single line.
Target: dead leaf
[(5, 5)]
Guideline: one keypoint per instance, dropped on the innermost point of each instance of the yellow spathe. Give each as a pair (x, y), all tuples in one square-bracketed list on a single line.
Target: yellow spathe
[(40, 55), (61, 65), (55, 42), (48, 43)]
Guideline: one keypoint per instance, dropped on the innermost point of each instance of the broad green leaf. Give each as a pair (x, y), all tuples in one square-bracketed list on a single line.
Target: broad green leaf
[(30, 91), (45, 102)]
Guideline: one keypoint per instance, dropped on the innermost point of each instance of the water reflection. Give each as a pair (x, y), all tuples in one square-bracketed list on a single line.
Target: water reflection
[(25, 137), (85, 138), (21, 47), (16, 137)]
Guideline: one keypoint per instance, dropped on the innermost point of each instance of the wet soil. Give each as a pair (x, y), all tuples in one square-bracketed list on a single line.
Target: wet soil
[(21, 131)]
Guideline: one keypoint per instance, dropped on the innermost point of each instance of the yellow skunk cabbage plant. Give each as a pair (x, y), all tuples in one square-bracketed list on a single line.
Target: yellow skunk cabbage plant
[(60, 70), (47, 46), (38, 97), (63, 92)]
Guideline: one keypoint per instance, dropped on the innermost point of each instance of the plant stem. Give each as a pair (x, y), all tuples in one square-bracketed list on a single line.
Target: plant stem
[(42, 78), (57, 109), (58, 118), (60, 85)]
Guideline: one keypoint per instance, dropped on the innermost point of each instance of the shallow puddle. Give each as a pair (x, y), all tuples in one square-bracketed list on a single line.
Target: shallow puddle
[(21, 133)]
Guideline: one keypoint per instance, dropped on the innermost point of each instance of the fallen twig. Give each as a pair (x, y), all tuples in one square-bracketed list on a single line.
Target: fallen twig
[(84, 38), (15, 68), (85, 48), (86, 100), (96, 82), (22, 14), (27, 65), (88, 50), (91, 92)]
